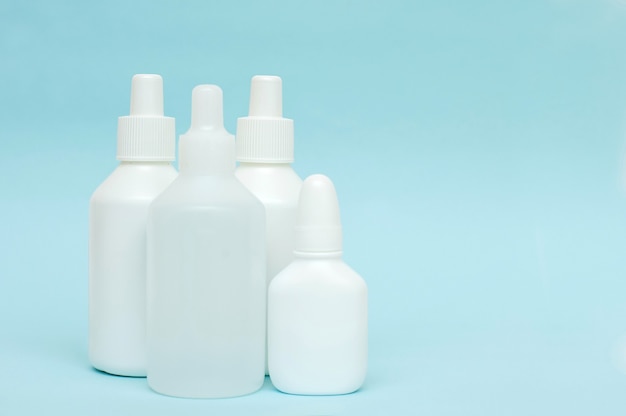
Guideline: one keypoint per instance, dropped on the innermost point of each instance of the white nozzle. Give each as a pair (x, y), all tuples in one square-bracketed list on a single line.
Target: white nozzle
[(318, 228), (207, 148), (146, 95), (265, 136), (266, 96), (146, 135), (206, 107)]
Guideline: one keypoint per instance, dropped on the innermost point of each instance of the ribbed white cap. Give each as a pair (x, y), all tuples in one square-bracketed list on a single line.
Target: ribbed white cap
[(318, 228), (264, 136), (207, 148), (146, 135)]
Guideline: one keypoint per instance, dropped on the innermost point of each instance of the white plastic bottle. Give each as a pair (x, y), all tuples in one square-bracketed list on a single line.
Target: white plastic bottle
[(117, 231), (317, 306), (206, 269), (265, 153)]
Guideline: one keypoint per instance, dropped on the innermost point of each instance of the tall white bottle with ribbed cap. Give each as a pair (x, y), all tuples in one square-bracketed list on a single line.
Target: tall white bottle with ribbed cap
[(117, 231), (317, 306), (206, 269), (265, 152)]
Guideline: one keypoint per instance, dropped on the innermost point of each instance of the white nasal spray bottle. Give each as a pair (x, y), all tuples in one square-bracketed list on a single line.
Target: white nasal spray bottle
[(317, 306), (117, 231)]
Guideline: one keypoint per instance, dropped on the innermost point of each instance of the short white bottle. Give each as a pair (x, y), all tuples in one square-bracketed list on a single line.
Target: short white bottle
[(117, 231), (206, 269), (317, 306), (265, 151)]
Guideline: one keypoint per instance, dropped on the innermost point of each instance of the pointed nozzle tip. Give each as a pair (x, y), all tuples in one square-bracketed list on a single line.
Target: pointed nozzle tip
[(266, 96), (206, 107), (146, 95), (318, 202)]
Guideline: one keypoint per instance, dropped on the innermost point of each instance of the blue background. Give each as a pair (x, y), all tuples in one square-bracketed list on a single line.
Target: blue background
[(477, 148)]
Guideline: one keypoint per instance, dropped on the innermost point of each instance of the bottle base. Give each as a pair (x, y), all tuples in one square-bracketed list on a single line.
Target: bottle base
[(317, 388), (193, 392), (305, 392)]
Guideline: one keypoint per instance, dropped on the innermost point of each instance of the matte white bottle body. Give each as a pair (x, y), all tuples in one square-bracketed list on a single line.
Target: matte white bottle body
[(317, 327), (206, 289), (117, 269)]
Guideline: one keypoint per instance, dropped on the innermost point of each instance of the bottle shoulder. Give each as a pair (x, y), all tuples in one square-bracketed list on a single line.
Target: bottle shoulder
[(270, 183), (311, 275), (208, 191), (135, 182)]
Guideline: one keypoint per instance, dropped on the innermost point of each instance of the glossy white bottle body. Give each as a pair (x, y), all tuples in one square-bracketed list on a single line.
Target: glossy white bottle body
[(117, 268), (206, 289), (317, 326), (277, 186)]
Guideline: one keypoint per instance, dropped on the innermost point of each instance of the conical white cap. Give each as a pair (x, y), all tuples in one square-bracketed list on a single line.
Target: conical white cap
[(146, 135), (265, 136), (207, 148), (318, 228)]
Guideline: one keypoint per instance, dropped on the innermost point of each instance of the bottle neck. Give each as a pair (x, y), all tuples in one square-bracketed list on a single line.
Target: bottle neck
[(279, 165), (199, 170), (144, 163), (317, 255), (205, 153)]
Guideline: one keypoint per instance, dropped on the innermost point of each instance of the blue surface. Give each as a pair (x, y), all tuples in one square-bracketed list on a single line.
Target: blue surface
[(478, 151)]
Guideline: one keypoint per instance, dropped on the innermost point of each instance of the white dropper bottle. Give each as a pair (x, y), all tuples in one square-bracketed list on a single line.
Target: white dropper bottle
[(206, 269), (117, 230), (265, 152), (317, 306)]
